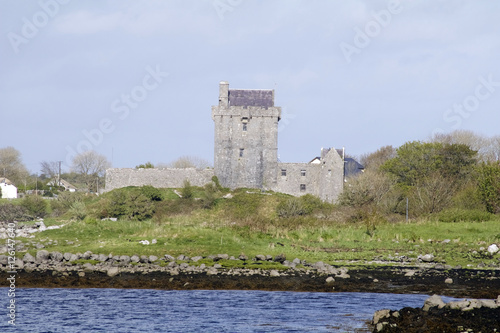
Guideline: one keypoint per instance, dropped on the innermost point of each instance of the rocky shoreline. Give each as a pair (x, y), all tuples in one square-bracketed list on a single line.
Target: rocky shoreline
[(221, 271), (468, 315)]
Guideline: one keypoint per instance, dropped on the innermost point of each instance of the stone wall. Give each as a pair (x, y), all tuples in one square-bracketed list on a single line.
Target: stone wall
[(162, 178)]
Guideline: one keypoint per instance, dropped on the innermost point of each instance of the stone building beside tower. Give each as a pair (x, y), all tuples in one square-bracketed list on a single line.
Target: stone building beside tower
[(246, 154)]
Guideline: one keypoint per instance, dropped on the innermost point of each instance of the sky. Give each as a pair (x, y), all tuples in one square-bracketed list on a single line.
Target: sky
[(135, 80)]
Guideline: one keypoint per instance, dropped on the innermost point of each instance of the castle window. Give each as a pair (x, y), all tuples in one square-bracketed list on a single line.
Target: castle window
[(244, 127), (302, 187), (303, 173), (241, 152), (283, 172)]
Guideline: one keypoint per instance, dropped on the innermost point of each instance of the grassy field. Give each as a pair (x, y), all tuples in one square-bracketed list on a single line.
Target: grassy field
[(248, 224)]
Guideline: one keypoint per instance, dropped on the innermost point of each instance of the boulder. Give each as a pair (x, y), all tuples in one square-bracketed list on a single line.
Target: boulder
[(56, 256), (280, 258), (260, 257), (448, 281), (42, 256), (380, 314), (113, 271), (102, 258), (274, 273), (330, 280), (432, 302), (28, 258), (243, 257), (493, 248), (152, 258), (221, 257), (427, 258), (125, 260), (196, 258), (135, 258)]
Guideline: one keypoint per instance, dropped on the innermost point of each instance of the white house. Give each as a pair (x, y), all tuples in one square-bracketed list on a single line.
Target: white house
[(9, 191)]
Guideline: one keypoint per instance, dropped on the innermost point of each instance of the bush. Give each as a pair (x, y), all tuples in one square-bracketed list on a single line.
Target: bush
[(78, 210), (10, 213), (464, 215), (129, 202), (152, 193), (35, 205), (290, 207), (187, 191)]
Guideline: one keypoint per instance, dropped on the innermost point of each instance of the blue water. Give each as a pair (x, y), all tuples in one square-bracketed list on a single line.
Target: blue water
[(133, 310)]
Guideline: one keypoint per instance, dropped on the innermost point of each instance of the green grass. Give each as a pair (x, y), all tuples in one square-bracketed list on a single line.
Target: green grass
[(249, 224), (329, 243)]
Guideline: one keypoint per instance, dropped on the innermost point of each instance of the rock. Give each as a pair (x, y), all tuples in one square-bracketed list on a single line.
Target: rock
[(87, 255), (125, 260), (212, 271), (217, 266), (154, 241), (81, 274), (28, 258), (432, 302), (427, 258), (196, 258), (330, 280), (260, 257), (182, 257), (489, 303), (280, 258), (102, 258), (296, 261), (169, 258), (19, 264), (269, 258), (152, 258), (380, 314), (144, 259), (56, 256), (243, 257), (446, 241), (274, 273), (113, 271), (73, 257), (42, 256), (228, 196), (457, 305), (319, 265), (88, 267), (493, 248), (144, 242), (410, 273), (135, 258), (448, 281)]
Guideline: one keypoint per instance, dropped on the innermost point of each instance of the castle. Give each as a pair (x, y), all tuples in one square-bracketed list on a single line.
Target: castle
[(246, 154)]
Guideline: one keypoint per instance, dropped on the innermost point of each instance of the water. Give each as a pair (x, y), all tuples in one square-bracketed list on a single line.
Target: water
[(133, 310)]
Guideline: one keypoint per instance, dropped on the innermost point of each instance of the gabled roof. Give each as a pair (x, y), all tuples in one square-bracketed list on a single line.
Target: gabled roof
[(352, 167), (249, 97), (5, 181)]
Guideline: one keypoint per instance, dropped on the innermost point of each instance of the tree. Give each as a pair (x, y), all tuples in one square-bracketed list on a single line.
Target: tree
[(50, 170), (376, 159), (430, 174), (11, 166), (147, 165), (92, 166), (489, 186), (185, 162)]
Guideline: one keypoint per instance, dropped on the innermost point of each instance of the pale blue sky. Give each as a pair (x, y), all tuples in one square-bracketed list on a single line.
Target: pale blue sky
[(141, 76)]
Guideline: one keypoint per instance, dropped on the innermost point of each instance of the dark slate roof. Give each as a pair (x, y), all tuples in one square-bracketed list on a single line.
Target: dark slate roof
[(352, 167), (240, 97)]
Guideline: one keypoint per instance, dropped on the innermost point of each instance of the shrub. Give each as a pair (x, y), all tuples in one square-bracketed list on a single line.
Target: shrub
[(10, 213), (35, 205), (152, 193), (464, 215), (78, 210), (290, 207), (187, 191)]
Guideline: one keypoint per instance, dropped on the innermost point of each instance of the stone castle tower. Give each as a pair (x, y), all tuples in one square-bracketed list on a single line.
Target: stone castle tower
[(246, 154), (246, 138)]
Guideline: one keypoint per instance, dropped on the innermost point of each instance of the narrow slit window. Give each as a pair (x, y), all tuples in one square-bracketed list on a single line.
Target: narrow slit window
[(302, 187), (244, 127), (283, 172), (241, 152), (303, 173)]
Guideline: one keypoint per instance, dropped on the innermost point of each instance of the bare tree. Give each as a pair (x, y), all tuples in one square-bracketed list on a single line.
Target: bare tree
[(376, 159), (91, 165), (50, 170), (488, 149), (11, 166), (185, 162)]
